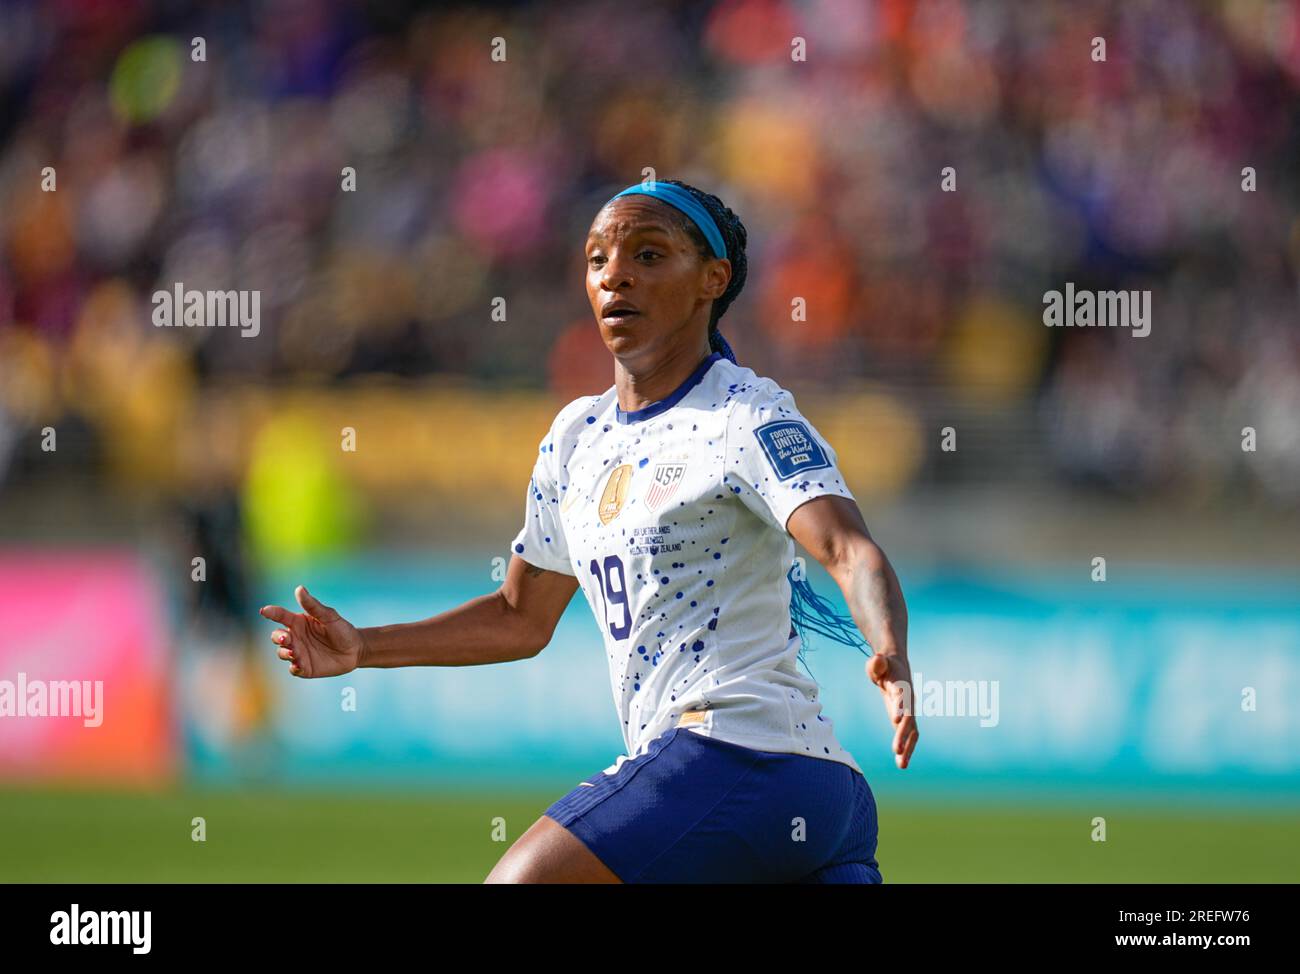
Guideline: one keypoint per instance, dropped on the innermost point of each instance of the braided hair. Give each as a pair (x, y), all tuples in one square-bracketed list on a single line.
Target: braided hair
[(734, 236)]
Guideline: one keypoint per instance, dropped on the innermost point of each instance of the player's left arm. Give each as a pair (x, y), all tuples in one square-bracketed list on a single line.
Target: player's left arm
[(833, 531)]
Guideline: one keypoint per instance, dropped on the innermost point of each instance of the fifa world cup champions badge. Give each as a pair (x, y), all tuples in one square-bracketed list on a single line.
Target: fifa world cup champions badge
[(611, 501)]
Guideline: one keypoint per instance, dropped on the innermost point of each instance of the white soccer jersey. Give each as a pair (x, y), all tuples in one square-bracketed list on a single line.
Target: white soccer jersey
[(672, 518)]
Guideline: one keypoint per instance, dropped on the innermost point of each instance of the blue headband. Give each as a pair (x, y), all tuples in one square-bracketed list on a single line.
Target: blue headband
[(682, 200), (677, 197)]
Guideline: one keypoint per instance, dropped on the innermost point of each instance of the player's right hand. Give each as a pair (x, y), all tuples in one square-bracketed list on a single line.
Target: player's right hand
[(317, 641)]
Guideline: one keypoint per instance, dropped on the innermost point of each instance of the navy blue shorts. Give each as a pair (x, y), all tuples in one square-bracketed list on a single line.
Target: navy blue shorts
[(695, 809)]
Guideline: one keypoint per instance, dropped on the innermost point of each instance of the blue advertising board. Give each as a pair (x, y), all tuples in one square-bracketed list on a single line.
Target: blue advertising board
[(1168, 681)]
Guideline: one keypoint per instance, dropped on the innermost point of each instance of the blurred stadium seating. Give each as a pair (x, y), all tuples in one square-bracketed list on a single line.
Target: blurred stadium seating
[(476, 179)]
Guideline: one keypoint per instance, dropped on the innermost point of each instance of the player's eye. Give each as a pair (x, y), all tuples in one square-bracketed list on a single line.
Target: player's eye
[(598, 259)]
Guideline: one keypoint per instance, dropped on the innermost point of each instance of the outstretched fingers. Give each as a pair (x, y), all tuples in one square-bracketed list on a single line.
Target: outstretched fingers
[(283, 638), (277, 613), (313, 606)]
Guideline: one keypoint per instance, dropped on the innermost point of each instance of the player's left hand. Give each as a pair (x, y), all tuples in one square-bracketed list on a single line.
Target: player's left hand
[(893, 675)]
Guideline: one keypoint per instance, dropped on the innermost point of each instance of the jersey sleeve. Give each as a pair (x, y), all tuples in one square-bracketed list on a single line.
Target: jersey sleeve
[(775, 460), (541, 542)]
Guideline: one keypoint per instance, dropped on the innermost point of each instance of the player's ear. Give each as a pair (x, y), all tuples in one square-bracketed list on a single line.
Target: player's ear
[(719, 276)]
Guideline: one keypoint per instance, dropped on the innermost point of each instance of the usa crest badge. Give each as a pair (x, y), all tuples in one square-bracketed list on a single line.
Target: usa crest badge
[(664, 483)]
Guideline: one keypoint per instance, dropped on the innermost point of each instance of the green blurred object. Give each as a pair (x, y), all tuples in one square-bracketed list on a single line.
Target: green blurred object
[(146, 78), (88, 837), (297, 501)]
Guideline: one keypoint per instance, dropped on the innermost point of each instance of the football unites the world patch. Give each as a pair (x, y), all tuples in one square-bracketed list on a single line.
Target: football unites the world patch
[(790, 447)]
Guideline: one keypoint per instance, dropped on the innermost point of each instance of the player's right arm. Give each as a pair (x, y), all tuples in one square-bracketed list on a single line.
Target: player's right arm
[(514, 622)]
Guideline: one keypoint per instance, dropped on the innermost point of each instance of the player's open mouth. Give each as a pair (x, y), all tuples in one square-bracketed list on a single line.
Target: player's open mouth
[(618, 312)]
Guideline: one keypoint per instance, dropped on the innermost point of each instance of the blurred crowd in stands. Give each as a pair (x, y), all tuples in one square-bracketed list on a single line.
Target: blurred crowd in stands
[(210, 143)]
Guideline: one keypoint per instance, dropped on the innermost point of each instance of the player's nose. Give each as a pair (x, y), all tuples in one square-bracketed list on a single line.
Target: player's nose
[(617, 272)]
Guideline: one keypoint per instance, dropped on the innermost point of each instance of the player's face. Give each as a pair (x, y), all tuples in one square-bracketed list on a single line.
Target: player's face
[(637, 256)]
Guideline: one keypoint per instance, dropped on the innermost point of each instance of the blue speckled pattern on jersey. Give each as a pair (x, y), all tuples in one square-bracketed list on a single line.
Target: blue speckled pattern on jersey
[(674, 526)]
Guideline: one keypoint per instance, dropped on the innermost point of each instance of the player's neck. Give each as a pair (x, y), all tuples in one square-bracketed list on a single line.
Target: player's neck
[(637, 389)]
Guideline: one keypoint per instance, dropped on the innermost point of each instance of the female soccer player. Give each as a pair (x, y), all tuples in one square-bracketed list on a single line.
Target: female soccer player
[(672, 499)]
